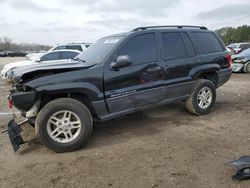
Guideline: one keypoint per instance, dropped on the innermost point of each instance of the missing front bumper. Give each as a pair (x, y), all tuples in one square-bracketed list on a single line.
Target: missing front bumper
[(14, 131)]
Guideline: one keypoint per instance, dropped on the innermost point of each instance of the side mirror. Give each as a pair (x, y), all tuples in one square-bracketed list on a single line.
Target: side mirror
[(121, 61)]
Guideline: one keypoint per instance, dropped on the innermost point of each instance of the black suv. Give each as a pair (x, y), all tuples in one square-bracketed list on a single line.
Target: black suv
[(121, 74)]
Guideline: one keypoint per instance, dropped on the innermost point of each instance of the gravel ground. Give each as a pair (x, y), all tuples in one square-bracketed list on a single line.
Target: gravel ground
[(161, 147)]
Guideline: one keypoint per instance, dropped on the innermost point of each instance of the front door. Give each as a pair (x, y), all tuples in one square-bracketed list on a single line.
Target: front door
[(139, 83)]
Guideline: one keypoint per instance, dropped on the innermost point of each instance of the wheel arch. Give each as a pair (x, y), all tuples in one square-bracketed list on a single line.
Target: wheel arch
[(80, 96), (208, 72)]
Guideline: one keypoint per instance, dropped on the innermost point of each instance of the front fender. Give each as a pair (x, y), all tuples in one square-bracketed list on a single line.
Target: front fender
[(88, 89)]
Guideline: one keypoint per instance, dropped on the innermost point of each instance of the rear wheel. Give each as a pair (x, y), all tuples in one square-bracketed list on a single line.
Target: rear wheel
[(202, 99), (247, 67), (64, 125)]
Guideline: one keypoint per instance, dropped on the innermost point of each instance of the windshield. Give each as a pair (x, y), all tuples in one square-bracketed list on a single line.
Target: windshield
[(246, 52), (98, 51)]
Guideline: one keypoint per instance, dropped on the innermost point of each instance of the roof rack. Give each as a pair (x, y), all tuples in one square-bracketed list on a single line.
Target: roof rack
[(164, 26)]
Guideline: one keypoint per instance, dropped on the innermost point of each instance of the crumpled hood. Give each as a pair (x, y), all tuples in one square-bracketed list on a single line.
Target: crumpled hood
[(18, 73)]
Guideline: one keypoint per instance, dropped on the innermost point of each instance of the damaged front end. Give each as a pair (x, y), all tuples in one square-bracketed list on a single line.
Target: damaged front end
[(25, 101)]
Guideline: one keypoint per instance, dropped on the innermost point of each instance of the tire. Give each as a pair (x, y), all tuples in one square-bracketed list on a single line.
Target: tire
[(196, 106), (247, 67), (64, 125)]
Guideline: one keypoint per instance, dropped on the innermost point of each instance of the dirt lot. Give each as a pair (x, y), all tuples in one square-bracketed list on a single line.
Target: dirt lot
[(161, 147)]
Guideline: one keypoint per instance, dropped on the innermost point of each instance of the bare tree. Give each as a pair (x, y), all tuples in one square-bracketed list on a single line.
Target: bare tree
[(7, 44)]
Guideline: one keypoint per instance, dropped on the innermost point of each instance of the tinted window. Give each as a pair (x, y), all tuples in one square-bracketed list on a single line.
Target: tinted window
[(74, 47), (189, 46), (174, 47), (50, 56), (141, 49), (207, 42), (69, 55)]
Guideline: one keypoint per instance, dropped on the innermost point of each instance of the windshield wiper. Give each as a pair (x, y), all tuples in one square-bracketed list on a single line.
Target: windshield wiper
[(80, 60)]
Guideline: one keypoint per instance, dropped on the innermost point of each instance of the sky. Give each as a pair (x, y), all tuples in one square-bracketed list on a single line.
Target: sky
[(62, 21)]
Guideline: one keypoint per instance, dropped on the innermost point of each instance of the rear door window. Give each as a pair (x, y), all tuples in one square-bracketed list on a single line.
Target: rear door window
[(207, 42), (174, 47), (189, 45), (68, 55)]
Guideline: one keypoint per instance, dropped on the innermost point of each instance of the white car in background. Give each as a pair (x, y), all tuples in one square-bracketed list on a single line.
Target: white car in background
[(60, 55), (34, 56), (72, 46), (239, 47)]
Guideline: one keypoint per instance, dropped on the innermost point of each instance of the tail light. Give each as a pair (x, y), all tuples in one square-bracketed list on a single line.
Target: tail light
[(229, 60), (10, 103)]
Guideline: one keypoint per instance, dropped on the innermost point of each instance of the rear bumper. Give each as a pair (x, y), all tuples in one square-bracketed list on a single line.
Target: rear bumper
[(223, 76)]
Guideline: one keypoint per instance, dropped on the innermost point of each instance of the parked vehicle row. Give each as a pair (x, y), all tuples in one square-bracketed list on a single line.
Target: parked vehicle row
[(45, 60), (72, 46), (118, 75), (12, 54)]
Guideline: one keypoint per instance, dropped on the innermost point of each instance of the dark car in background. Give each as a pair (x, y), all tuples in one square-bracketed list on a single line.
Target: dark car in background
[(12, 54), (238, 47), (241, 62), (2, 54)]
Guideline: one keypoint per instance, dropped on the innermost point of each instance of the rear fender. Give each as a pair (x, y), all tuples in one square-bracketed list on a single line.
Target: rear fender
[(199, 70)]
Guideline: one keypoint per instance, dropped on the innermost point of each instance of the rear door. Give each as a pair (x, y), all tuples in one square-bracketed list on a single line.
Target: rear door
[(138, 84), (179, 57)]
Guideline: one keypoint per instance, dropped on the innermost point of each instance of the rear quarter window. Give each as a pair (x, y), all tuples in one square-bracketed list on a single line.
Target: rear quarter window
[(189, 46), (74, 47), (207, 42)]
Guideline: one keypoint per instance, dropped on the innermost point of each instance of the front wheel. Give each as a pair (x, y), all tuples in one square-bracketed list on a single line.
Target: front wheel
[(202, 98), (64, 125)]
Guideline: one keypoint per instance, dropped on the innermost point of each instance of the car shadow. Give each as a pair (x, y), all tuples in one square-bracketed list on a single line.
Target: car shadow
[(139, 124)]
